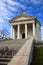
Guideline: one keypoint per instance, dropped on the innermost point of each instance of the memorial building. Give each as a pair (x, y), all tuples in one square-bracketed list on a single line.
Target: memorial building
[(25, 26)]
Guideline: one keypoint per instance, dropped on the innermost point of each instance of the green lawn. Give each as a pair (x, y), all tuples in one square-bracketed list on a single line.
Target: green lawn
[(37, 56)]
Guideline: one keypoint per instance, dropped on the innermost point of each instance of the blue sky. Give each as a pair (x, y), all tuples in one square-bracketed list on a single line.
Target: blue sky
[(11, 8)]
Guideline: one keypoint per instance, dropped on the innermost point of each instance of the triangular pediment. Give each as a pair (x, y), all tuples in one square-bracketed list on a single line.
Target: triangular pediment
[(22, 17)]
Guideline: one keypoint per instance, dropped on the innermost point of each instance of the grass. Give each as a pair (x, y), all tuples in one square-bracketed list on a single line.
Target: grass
[(37, 56)]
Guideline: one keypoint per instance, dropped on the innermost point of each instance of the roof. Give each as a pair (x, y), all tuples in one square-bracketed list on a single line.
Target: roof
[(30, 17)]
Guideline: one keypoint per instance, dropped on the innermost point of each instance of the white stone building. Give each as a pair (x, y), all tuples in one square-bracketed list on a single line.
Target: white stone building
[(25, 26)]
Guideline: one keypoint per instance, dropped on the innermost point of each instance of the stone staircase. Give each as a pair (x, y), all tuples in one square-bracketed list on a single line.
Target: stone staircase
[(6, 55), (8, 48), (15, 44), (24, 55)]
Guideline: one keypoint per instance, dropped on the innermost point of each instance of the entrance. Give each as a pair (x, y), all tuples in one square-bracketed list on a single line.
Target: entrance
[(23, 35)]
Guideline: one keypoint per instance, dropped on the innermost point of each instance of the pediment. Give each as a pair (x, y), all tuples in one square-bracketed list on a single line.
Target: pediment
[(22, 17)]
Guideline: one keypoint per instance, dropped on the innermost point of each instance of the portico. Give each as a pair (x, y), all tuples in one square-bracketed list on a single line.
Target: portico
[(22, 31)]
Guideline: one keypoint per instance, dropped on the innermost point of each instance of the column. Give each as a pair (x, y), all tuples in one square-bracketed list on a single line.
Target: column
[(33, 29), (11, 32), (18, 32), (25, 31)]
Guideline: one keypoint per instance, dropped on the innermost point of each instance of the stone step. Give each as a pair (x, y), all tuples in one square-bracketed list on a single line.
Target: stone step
[(5, 59), (7, 56), (14, 41), (3, 63)]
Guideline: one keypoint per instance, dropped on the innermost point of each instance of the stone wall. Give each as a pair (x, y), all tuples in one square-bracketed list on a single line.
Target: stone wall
[(38, 32)]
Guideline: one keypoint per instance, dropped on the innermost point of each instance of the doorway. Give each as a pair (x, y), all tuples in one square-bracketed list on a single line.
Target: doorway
[(23, 35)]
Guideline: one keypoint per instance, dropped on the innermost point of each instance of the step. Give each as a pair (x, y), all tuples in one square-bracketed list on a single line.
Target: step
[(5, 63), (14, 41), (5, 59)]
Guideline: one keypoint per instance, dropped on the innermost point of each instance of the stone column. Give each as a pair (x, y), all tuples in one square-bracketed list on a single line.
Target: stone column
[(25, 31), (33, 29), (18, 32), (11, 32)]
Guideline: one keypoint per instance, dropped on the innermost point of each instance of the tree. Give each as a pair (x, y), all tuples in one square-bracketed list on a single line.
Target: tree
[(1, 35)]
